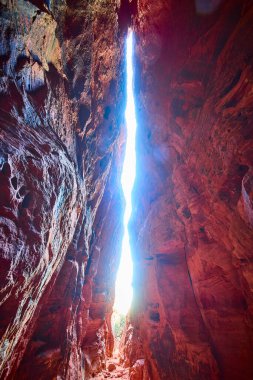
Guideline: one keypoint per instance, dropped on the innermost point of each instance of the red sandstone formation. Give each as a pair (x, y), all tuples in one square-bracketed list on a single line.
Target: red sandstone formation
[(61, 151), (192, 224), (61, 145)]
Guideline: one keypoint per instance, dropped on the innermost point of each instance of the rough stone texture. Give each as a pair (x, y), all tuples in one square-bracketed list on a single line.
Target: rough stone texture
[(192, 223), (61, 83), (61, 143)]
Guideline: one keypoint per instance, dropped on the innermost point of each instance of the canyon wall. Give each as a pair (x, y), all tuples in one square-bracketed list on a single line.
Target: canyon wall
[(192, 222), (61, 144)]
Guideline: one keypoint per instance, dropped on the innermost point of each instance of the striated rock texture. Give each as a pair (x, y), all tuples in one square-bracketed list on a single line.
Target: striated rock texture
[(192, 229), (61, 107), (61, 143)]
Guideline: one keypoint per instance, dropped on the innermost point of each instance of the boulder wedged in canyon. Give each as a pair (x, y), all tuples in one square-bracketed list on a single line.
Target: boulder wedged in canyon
[(62, 101), (192, 226)]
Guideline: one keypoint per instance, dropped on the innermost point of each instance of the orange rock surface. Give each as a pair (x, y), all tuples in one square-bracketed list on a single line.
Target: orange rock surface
[(61, 118), (192, 224), (62, 140)]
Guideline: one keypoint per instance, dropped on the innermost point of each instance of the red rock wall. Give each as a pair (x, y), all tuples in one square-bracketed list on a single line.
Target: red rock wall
[(192, 223), (62, 99)]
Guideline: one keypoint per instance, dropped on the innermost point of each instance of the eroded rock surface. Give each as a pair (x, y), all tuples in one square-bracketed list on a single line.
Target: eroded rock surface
[(60, 157), (192, 224), (61, 144)]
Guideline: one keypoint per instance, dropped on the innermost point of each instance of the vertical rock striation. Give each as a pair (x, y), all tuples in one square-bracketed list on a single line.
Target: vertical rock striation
[(192, 222), (61, 145)]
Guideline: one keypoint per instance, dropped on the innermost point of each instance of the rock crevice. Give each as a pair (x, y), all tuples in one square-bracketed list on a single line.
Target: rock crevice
[(62, 137)]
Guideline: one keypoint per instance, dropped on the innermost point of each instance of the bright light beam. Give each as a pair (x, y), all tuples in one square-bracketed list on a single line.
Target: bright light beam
[(124, 291)]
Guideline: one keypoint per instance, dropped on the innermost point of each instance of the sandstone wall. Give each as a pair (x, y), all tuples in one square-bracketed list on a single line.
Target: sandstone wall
[(192, 223), (61, 144), (62, 101)]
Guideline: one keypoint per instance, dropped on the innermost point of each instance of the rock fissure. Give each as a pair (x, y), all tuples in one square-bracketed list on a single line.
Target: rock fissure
[(62, 142)]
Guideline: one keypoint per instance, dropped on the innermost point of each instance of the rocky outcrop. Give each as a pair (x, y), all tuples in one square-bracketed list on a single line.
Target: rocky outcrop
[(61, 147), (192, 222)]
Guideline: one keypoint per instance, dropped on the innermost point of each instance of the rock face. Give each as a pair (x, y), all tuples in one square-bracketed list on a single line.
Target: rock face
[(61, 144), (62, 99), (192, 223)]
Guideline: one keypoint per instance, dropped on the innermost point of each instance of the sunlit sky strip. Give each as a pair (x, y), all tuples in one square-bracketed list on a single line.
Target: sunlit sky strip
[(124, 291)]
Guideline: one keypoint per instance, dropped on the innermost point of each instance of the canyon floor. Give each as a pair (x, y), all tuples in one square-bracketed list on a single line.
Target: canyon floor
[(113, 370)]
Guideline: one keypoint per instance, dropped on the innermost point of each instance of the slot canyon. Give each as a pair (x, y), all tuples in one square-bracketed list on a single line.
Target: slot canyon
[(62, 144)]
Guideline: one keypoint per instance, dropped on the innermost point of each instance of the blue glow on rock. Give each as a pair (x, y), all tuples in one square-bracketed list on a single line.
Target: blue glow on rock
[(124, 291)]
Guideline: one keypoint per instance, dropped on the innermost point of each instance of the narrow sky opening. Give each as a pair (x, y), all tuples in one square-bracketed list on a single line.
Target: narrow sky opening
[(124, 291)]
